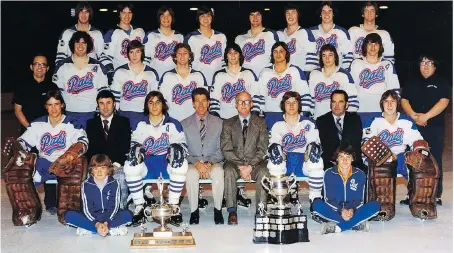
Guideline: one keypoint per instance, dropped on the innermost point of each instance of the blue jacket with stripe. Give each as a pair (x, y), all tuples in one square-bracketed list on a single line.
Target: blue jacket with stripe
[(100, 205)]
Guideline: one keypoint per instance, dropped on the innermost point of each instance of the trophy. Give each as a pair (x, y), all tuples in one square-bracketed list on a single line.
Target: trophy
[(277, 224), (162, 236)]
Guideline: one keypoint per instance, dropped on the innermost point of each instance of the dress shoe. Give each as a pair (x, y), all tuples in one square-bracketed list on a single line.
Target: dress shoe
[(194, 217), (218, 218), (233, 218)]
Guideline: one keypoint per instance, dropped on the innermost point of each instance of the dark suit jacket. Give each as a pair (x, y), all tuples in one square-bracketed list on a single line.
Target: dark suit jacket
[(352, 132), (118, 141), (255, 148)]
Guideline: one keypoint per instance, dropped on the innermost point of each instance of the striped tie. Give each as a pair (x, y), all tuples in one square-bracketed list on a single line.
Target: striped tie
[(203, 129), (106, 128), (339, 128)]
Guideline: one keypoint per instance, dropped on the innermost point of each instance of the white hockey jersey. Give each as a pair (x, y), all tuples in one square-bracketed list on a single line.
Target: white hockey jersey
[(396, 136), (156, 140), (272, 87), (301, 45), (80, 87), (52, 142), (130, 89), (339, 38), (357, 35), (371, 81), (159, 49), (177, 92), (321, 87), (208, 52), (226, 86), (116, 43), (257, 50), (63, 50), (295, 139)]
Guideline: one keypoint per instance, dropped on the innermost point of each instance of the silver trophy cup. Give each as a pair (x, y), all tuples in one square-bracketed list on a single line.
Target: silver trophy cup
[(279, 186)]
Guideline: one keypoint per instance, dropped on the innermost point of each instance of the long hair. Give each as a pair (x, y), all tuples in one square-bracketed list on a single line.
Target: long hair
[(136, 44), (389, 93), (101, 160), (56, 94), (236, 48), (155, 93), (372, 38), (183, 45), (76, 38), (285, 47), (162, 10), (84, 5), (287, 96), (331, 48)]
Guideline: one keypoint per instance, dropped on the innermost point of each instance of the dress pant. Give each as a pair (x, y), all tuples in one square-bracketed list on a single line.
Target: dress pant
[(192, 185)]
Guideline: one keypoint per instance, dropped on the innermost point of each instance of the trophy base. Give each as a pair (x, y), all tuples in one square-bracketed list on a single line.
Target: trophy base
[(156, 240)]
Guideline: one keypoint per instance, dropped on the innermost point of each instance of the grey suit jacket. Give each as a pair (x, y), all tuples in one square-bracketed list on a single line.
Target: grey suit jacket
[(255, 148), (211, 151)]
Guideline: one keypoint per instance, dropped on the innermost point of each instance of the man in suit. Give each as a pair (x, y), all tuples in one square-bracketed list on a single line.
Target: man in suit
[(339, 125), (109, 133), (203, 133), (244, 143)]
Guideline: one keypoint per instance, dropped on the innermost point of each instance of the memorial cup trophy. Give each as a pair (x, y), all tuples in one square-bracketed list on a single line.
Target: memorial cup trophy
[(162, 236)]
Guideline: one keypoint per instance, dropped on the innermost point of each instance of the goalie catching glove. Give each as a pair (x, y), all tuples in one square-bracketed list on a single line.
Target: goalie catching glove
[(64, 165)]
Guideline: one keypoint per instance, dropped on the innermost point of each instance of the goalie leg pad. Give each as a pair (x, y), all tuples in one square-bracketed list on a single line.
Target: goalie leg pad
[(382, 188), (315, 173), (177, 179), (134, 179)]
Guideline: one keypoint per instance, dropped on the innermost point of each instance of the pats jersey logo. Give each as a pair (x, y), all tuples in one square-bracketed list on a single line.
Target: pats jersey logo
[(78, 84), (291, 142), (229, 91), (323, 91), (182, 93), (210, 53), (392, 139), (124, 48), (367, 78), (252, 50), (320, 41), (359, 46), (277, 86), (133, 90), (162, 51), (156, 146), (50, 143), (291, 45)]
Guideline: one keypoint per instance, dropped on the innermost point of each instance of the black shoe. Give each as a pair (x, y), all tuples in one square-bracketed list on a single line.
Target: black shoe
[(194, 217), (241, 198), (224, 203), (139, 217), (203, 203), (439, 202), (218, 218), (405, 201), (181, 200), (176, 220)]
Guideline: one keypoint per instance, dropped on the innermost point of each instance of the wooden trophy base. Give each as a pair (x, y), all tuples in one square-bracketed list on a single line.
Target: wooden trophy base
[(162, 240)]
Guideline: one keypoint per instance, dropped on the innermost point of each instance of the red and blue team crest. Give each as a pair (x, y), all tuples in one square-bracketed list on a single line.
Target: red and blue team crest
[(50, 143), (230, 91), (359, 46), (124, 48), (291, 45), (156, 146), (210, 53), (78, 84), (138, 39), (367, 78), (392, 139), (323, 91), (320, 41), (291, 142), (182, 93), (252, 50), (277, 86), (133, 90), (162, 51)]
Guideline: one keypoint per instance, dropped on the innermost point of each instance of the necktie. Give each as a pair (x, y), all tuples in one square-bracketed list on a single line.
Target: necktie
[(244, 130), (339, 128), (203, 129), (106, 128)]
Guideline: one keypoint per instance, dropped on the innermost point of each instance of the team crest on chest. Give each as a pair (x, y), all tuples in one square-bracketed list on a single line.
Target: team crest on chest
[(162, 51), (229, 91), (210, 53), (353, 185), (133, 90), (320, 41), (156, 146), (323, 91), (367, 78), (359, 46), (50, 143), (124, 48), (78, 84), (291, 45), (292, 142), (182, 93), (392, 139), (277, 86), (252, 50)]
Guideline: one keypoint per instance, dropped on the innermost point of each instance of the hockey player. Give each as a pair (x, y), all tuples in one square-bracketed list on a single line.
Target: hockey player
[(132, 82), (177, 85), (300, 42), (256, 43), (84, 14), (276, 80), (373, 75), (328, 78), (160, 43), (329, 33), (358, 33), (229, 82), (80, 78), (116, 40), (157, 137), (207, 45)]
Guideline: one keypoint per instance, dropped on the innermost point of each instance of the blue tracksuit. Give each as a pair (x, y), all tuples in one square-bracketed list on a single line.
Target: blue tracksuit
[(340, 196), (99, 205)]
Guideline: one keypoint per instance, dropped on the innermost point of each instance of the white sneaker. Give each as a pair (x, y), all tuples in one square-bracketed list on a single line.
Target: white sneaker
[(82, 232), (121, 230)]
